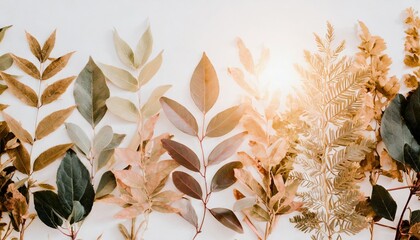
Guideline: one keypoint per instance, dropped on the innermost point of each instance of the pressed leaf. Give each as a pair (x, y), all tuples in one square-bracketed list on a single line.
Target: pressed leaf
[(204, 85), (259, 214), (245, 56), (179, 116), (20, 90), (115, 141), (53, 121), (129, 178), (224, 122), (149, 70), (120, 77), (90, 93), (55, 90), (239, 78), (144, 48), (123, 108), (187, 184), (50, 155), (104, 158), (6, 61), (103, 138), (152, 106), (182, 154), (187, 212), (17, 129), (226, 148), (227, 218), (244, 203), (382, 203), (27, 66), (48, 46), (247, 179), (56, 66), (78, 137), (224, 177), (107, 184), (125, 53), (48, 208), (22, 160), (3, 106), (3, 31), (34, 46)]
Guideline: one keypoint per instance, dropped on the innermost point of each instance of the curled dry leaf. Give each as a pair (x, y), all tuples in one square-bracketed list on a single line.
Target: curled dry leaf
[(182, 154), (187, 184), (56, 66), (20, 90), (55, 90), (179, 116), (50, 155), (53, 121), (123, 108)]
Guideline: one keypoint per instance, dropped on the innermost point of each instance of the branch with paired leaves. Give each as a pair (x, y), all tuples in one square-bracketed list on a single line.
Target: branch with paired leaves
[(204, 90)]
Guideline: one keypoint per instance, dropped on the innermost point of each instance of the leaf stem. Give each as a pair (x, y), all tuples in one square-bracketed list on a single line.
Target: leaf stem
[(399, 188), (398, 233)]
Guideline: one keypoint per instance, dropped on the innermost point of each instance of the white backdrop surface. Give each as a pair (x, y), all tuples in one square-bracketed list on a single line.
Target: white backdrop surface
[(184, 29)]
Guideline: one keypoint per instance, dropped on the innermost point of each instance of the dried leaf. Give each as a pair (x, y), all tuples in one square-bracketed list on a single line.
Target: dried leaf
[(107, 184), (56, 66), (244, 203), (90, 93), (34, 46), (246, 178), (120, 77), (204, 85), (143, 49), (103, 138), (152, 106), (182, 154), (17, 129), (179, 116), (51, 122), (20, 90), (55, 90), (6, 61), (224, 177), (26, 66), (188, 213), (259, 213), (50, 155), (123, 108), (187, 184), (22, 160), (227, 218), (239, 78), (245, 56), (149, 70), (78, 137), (3, 31), (125, 53), (224, 122), (129, 178), (48, 46), (2, 88), (226, 148)]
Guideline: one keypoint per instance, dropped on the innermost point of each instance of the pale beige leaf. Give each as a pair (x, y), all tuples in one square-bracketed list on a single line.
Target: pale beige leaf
[(56, 66), (120, 77), (50, 155), (55, 90), (129, 178), (27, 66), (224, 122), (34, 46), (143, 49), (130, 212), (262, 63), (152, 106), (150, 69), (167, 196), (123, 108), (125, 53), (239, 78), (48, 46), (128, 156), (20, 90), (245, 56), (51, 122), (17, 129)]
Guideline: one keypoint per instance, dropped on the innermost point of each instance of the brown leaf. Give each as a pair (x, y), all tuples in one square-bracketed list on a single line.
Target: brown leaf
[(163, 208), (182, 154), (179, 116), (34, 46), (187, 212), (53, 121), (46, 186), (48, 46), (247, 179), (55, 90), (3, 106), (227, 218), (226, 148), (22, 160), (17, 129), (158, 173), (224, 177), (245, 56), (50, 155), (2, 88), (224, 122), (26, 66), (204, 85), (20, 90), (187, 184), (56, 66)]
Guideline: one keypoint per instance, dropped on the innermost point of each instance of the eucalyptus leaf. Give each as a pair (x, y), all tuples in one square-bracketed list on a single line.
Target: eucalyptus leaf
[(103, 138), (48, 208), (382, 203), (78, 137)]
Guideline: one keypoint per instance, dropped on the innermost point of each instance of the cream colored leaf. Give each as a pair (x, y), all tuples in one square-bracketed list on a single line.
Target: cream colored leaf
[(120, 77), (245, 56), (123, 108), (150, 69), (51, 122), (125, 53), (152, 106), (17, 129), (78, 137), (144, 48), (102, 138)]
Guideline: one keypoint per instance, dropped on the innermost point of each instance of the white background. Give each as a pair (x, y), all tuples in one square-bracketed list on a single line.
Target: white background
[(184, 29)]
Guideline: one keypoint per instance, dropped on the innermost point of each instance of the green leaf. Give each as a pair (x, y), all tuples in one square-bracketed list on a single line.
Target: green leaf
[(6, 61), (103, 138), (73, 184), (204, 85), (187, 184), (77, 213), (123, 108), (411, 114), (78, 137), (182, 154), (90, 93), (107, 184), (382, 203), (412, 158), (3, 31), (395, 132), (150, 69), (152, 106), (224, 122), (224, 177), (125, 53), (415, 217), (120, 77), (227, 218), (50, 155), (179, 116), (144, 48), (48, 208), (226, 148)]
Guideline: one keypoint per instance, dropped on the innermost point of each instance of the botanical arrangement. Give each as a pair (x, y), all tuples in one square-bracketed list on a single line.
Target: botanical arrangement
[(350, 124)]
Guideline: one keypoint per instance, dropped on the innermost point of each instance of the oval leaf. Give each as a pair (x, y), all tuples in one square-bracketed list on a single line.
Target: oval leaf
[(6, 61), (226, 148), (17, 129), (120, 77), (56, 66), (107, 184), (227, 218), (103, 138), (179, 116), (152, 106), (27, 66), (123, 108), (144, 48), (78, 137), (182, 154), (382, 203), (22, 160), (125, 53), (187, 212), (204, 85), (412, 114), (224, 122), (225, 176), (150, 69), (20, 90), (50, 155), (48, 46), (48, 208), (51, 122), (55, 90), (412, 158), (187, 184), (34, 46), (90, 93)]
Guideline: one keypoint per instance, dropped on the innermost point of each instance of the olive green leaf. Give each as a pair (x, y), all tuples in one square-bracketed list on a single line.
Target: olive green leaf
[(50, 155), (78, 137), (120, 77), (48, 208), (123, 108), (106, 185), (6, 61), (103, 138)]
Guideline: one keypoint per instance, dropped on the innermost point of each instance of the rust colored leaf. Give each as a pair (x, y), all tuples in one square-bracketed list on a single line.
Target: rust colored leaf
[(17, 129), (182, 154), (26, 66), (34, 46), (226, 148), (224, 122), (53, 121), (22, 160), (204, 85), (20, 90), (48, 46), (56, 66), (227, 218), (187, 184), (50, 155), (55, 90), (225, 176), (179, 116)]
